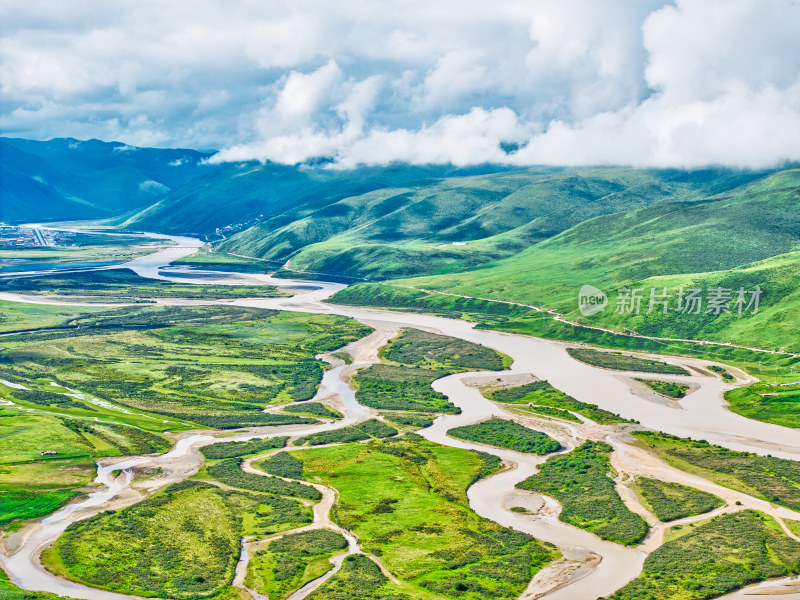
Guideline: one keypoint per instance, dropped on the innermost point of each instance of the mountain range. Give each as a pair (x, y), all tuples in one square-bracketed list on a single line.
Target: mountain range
[(531, 235)]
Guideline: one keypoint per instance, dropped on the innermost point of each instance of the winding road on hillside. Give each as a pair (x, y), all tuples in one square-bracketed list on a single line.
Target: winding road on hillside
[(590, 567)]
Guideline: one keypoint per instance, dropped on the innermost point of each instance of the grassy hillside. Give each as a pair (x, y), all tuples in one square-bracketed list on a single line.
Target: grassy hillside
[(239, 195), (745, 238), (456, 223)]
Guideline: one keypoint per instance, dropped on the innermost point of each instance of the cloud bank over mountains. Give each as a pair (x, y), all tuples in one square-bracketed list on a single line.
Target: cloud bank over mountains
[(645, 83)]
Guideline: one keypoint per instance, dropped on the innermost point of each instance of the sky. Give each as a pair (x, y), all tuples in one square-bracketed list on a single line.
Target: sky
[(568, 82)]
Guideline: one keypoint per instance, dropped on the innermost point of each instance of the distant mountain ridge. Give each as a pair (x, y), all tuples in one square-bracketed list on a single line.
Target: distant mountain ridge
[(65, 178), (457, 223)]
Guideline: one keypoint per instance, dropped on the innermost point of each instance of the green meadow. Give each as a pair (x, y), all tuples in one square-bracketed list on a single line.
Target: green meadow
[(502, 316), (541, 396), (180, 543), (405, 498), (580, 482), (669, 389), (778, 404), (773, 479), (290, 562), (411, 362), (670, 501), (34, 485), (206, 365), (507, 434), (714, 558)]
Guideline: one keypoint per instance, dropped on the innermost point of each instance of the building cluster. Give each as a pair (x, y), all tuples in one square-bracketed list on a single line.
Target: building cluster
[(13, 236)]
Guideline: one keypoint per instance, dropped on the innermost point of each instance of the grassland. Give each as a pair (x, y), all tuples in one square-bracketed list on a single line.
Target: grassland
[(359, 578), (779, 404), (290, 562), (401, 297), (722, 555), (507, 434), (670, 389), (196, 366), (424, 349), (124, 285), (19, 505), (545, 411), (239, 449), (282, 464), (774, 479), (372, 428), (400, 387), (743, 238), (313, 409), (181, 543), (222, 261), (408, 227), (34, 485), (411, 362), (670, 501), (411, 419), (211, 366), (542, 394), (623, 362), (405, 498), (16, 316), (580, 482), (230, 473), (722, 372)]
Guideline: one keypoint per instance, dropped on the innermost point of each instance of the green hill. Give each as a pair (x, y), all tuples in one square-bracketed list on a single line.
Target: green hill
[(456, 223), (236, 196), (744, 238)]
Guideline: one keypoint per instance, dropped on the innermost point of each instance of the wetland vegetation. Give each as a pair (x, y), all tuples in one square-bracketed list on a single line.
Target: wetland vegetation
[(774, 479), (580, 482), (623, 362), (282, 464), (670, 501), (372, 428), (238, 449), (293, 560), (715, 557), (670, 389), (359, 578), (229, 472), (212, 366), (542, 394), (507, 434), (180, 543), (123, 285), (432, 541), (774, 403), (411, 362)]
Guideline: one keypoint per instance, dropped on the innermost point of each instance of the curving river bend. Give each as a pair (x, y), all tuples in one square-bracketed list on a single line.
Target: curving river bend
[(590, 568)]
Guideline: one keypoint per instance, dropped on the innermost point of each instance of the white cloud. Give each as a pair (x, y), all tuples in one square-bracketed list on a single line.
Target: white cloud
[(302, 93), (652, 82)]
